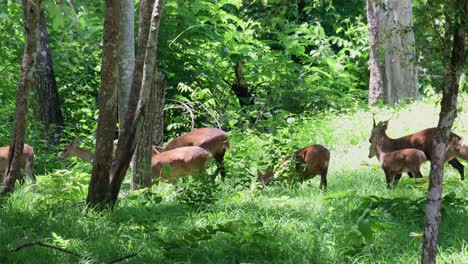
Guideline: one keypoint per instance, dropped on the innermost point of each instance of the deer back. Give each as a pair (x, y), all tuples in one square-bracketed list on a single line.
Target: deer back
[(181, 161), (214, 140)]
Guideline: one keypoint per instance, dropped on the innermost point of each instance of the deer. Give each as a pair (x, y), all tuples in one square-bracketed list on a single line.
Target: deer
[(394, 163), (213, 140), (27, 161), (309, 162), (74, 150), (422, 140), (180, 162)]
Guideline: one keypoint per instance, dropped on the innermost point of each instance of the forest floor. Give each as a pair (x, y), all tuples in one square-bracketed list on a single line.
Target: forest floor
[(356, 221)]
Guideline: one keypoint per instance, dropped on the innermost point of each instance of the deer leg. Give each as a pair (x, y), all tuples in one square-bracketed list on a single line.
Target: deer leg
[(410, 174), (220, 160), (396, 179), (389, 178), (459, 167), (323, 179), (417, 173), (30, 171)]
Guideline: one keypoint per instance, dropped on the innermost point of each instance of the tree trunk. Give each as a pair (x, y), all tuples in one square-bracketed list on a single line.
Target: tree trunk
[(141, 87), (157, 106), (397, 42), (31, 14), (150, 133), (393, 73), (106, 180), (240, 87), (375, 65), (99, 184), (47, 98), (127, 57), (447, 115)]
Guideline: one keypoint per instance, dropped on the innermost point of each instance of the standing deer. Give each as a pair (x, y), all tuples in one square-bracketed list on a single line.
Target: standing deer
[(214, 140), (309, 162), (27, 161), (421, 140), (180, 162), (394, 163)]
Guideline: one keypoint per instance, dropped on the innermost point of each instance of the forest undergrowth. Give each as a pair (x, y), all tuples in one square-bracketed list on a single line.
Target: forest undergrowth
[(357, 220)]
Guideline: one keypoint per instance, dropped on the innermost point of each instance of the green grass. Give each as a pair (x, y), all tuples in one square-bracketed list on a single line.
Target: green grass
[(356, 221)]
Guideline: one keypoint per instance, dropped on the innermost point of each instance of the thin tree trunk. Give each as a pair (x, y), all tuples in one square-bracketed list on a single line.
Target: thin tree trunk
[(31, 14), (127, 57), (140, 89), (240, 87), (157, 107), (375, 65), (150, 133), (448, 114), (99, 184), (47, 98)]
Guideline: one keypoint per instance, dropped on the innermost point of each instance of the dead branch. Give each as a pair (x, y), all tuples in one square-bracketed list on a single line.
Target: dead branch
[(39, 243)]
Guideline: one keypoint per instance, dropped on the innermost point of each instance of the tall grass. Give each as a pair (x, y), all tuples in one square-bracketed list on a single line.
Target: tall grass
[(356, 221)]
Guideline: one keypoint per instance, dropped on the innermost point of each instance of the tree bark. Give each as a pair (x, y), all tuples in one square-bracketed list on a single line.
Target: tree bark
[(127, 57), (240, 87), (375, 65), (147, 37), (447, 115), (99, 184), (392, 41), (106, 179), (47, 98), (150, 133), (31, 14)]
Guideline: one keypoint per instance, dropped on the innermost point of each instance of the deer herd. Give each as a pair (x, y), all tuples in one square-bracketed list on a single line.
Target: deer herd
[(189, 153)]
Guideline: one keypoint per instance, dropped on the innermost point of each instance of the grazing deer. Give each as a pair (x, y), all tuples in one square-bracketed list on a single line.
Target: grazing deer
[(396, 162), (27, 161), (73, 150), (309, 162), (214, 140), (181, 162), (421, 140)]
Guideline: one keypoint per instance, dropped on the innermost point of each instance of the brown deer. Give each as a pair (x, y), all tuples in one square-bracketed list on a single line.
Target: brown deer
[(73, 150), (309, 162), (421, 140), (180, 162), (27, 161), (214, 140), (394, 163)]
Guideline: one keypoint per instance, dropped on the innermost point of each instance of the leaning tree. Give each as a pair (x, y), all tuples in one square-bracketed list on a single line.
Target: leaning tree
[(31, 15)]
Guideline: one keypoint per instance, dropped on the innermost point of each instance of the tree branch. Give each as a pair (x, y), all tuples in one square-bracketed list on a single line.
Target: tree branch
[(39, 243)]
